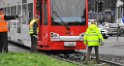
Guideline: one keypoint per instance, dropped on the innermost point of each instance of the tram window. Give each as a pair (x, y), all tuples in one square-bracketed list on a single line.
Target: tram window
[(38, 4), (11, 10), (18, 27), (24, 1), (39, 10), (8, 11), (19, 9), (72, 13), (45, 15), (19, 23), (9, 26), (30, 9), (4, 10), (14, 10), (24, 12)]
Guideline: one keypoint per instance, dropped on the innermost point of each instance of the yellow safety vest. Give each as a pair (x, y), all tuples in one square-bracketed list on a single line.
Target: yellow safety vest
[(92, 36), (31, 31)]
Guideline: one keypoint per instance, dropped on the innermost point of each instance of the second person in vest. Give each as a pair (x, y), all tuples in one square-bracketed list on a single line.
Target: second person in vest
[(92, 39), (33, 30)]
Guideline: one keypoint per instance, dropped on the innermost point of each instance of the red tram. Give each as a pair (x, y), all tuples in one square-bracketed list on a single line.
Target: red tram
[(61, 27), (62, 24)]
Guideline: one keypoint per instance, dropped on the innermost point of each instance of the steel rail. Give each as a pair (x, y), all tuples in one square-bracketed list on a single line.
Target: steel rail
[(109, 62)]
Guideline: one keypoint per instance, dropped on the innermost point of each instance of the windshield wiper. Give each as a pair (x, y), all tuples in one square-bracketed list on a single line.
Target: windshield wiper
[(62, 22)]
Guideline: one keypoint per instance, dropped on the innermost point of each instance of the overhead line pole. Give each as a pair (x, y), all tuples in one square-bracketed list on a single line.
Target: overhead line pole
[(97, 12)]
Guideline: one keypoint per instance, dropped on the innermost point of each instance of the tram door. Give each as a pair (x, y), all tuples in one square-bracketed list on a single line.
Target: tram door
[(19, 25), (39, 12), (25, 27), (14, 22)]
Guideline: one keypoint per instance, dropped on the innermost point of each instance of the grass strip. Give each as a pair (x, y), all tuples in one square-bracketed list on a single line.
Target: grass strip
[(30, 59)]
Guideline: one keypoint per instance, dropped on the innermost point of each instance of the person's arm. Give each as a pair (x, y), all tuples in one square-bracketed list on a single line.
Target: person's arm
[(85, 37), (35, 28), (10, 17)]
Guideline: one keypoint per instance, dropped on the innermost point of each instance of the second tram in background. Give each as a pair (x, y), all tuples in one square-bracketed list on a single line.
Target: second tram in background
[(61, 27)]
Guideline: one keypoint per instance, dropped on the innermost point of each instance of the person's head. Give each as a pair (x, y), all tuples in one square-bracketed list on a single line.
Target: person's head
[(1, 10), (92, 27), (37, 17), (93, 22)]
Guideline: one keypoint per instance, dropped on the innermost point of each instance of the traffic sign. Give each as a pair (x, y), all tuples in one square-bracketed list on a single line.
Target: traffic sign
[(123, 20)]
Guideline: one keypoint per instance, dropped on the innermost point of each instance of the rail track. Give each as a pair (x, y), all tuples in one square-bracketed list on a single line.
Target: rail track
[(74, 57), (111, 63), (78, 58)]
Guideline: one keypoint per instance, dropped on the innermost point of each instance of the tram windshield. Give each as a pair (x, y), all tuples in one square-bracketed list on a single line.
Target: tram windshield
[(70, 12)]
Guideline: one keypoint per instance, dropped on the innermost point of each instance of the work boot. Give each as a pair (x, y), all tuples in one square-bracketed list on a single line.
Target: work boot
[(98, 62)]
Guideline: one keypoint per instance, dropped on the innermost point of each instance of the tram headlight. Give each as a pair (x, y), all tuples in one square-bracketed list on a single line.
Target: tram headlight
[(54, 35)]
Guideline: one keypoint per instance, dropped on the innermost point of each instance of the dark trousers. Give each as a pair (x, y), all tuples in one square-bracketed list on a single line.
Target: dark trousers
[(96, 53), (3, 42), (34, 43)]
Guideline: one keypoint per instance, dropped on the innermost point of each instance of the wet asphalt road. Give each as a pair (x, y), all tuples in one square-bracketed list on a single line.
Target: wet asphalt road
[(112, 46)]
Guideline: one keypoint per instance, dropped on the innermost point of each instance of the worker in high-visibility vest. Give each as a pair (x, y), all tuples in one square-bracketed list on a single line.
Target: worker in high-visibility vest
[(92, 39), (33, 30), (4, 30)]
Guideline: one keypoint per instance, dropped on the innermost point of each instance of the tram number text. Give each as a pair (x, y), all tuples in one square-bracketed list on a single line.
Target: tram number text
[(69, 44)]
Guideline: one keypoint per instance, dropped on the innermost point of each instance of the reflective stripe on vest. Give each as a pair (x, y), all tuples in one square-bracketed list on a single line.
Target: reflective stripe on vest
[(93, 41), (91, 34), (3, 24), (31, 31)]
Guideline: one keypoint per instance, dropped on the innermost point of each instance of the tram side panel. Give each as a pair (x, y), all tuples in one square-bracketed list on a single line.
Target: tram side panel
[(27, 12), (19, 28)]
